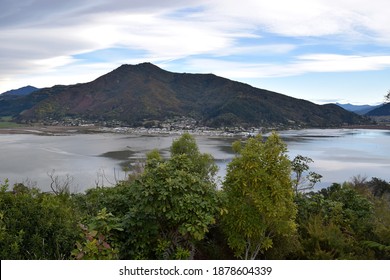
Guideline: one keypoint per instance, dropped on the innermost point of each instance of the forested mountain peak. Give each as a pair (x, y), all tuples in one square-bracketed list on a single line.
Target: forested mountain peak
[(138, 93)]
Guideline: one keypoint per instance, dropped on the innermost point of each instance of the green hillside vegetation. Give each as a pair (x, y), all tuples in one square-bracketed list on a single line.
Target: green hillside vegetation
[(135, 94), (172, 209), (13, 105), (7, 122)]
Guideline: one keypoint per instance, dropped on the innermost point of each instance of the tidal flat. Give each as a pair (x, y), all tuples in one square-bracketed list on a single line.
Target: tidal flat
[(93, 158)]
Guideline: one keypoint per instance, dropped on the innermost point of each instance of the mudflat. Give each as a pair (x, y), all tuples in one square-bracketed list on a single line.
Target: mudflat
[(51, 130)]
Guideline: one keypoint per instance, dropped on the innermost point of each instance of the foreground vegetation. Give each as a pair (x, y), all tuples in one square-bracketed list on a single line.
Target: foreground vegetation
[(172, 209)]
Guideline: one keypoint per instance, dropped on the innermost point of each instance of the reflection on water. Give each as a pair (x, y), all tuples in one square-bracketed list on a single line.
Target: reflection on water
[(338, 154), (341, 154)]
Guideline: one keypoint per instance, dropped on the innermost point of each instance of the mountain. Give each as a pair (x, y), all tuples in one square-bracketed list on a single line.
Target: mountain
[(383, 110), (358, 109), (14, 101), (20, 92), (137, 93)]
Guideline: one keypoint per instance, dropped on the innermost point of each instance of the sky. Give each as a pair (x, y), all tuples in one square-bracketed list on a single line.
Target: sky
[(319, 50)]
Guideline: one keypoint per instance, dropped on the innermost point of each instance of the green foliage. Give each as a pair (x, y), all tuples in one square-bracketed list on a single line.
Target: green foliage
[(173, 204), (378, 192), (325, 240), (378, 187), (202, 164), (7, 122), (98, 238), (303, 179), (35, 225), (376, 245), (381, 229), (259, 197), (171, 209), (334, 222), (185, 145), (115, 199)]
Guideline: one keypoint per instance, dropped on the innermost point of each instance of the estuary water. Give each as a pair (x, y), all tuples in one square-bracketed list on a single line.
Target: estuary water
[(98, 159)]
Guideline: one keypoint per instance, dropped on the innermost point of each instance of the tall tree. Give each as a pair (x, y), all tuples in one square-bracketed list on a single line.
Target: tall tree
[(387, 97), (175, 201), (303, 179), (334, 223), (36, 225), (259, 197)]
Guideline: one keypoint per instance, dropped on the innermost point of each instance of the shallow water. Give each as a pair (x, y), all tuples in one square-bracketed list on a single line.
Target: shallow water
[(98, 159), (341, 154)]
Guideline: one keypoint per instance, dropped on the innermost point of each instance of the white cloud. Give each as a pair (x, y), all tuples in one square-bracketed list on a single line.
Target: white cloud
[(266, 50), (310, 18), (300, 65), (54, 62), (41, 35), (341, 63), (167, 37), (46, 39)]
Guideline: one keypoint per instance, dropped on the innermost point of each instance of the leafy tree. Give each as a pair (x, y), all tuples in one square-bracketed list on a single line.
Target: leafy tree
[(202, 163), (380, 242), (98, 238), (334, 222), (35, 225), (379, 187), (115, 199), (387, 96), (259, 197), (300, 167), (173, 203), (377, 191)]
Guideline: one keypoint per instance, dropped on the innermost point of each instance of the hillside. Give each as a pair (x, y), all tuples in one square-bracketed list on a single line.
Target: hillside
[(383, 110), (15, 101), (136, 93), (20, 91), (358, 109)]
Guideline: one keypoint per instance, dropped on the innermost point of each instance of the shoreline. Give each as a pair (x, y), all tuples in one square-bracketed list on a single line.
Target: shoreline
[(377, 127), (50, 130), (70, 130)]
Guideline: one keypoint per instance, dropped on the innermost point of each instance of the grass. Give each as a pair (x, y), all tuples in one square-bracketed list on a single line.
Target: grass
[(6, 122)]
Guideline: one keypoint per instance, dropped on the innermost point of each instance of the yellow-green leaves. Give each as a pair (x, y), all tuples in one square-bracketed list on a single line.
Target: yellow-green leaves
[(259, 195)]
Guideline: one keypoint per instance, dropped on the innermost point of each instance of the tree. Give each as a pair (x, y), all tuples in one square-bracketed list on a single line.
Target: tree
[(202, 163), (174, 203), (35, 225), (98, 238), (387, 96), (300, 167), (334, 223), (259, 197), (377, 191)]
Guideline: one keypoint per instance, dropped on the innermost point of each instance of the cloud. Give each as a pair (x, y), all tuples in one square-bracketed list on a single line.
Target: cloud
[(310, 18), (341, 63), (264, 49), (47, 31), (57, 13), (324, 63), (234, 39)]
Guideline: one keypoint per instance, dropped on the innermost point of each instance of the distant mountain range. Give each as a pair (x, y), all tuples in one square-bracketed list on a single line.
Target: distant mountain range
[(368, 110), (358, 109), (20, 92), (14, 101), (134, 94), (383, 110)]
